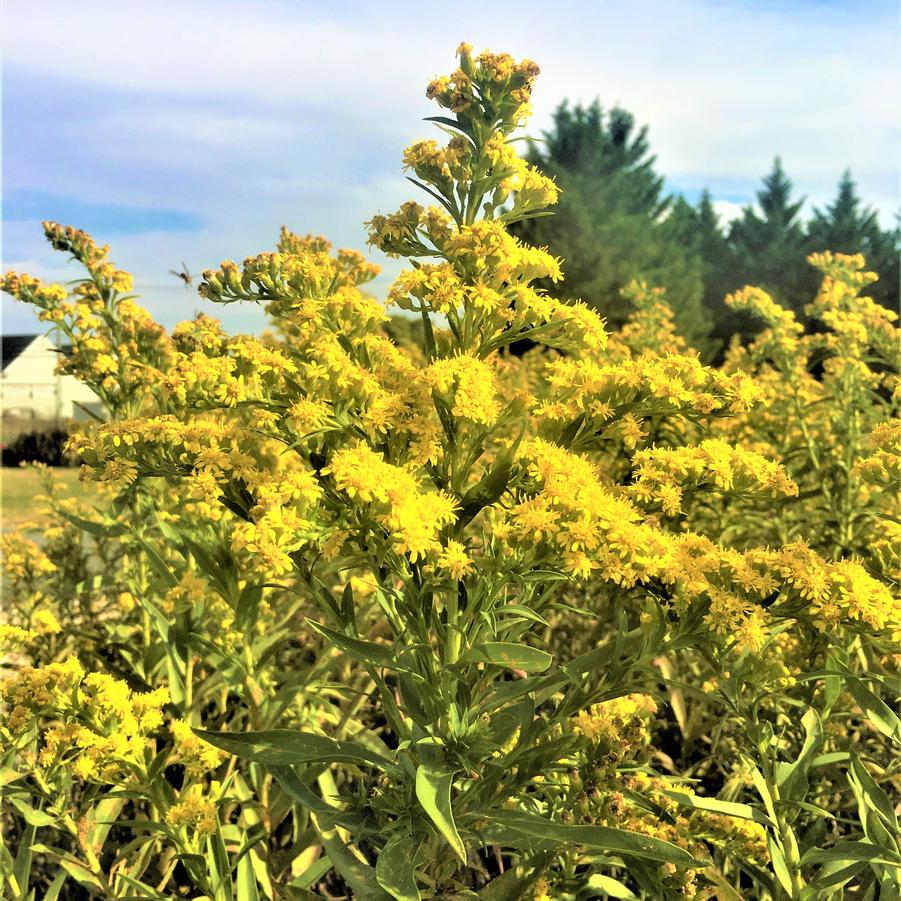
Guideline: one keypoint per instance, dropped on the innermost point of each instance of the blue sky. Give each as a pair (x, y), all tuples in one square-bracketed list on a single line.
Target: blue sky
[(191, 131)]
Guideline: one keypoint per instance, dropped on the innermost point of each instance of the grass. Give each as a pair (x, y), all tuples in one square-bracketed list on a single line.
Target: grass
[(11, 427), (20, 487)]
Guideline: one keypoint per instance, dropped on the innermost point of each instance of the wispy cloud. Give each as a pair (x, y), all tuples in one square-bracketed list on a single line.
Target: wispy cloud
[(27, 206), (231, 118)]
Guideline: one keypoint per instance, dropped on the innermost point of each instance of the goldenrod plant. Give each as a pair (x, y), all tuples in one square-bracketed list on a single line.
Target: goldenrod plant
[(434, 618)]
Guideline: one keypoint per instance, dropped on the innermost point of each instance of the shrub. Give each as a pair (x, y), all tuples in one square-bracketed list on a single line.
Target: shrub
[(423, 618), (48, 447)]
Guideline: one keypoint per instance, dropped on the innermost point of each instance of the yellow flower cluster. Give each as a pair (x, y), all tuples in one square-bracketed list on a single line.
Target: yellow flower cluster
[(238, 371), (98, 724), (32, 290), (784, 334), (541, 891), (196, 755), (412, 517), (293, 280), (611, 721), (882, 466), (23, 559), (589, 527), (838, 591), (594, 531), (194, 811), (455, 560), (45, 622), (469, 384), (406, 231), (745, 838), (491, 90), (115, 346), (285, 517), (645, 385), (12, 637), (661, 475), (167, 444), (508, 308), (856, 323)]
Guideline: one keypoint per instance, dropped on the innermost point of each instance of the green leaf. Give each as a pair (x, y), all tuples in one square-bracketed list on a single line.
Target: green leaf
[(514, 884), (157, 563), (217, 861), (368, 652), (285, 747), (36, 818), (714, 805), (610, 887), (450, 123), (876, 710), (312, 874), (75, 868), (433, 790), (246, 882), (505, 722), (56, 886), (837, 877), (100, 529), (595, 838), (874, 808), (792, 778), (485, 492), (780, 867), (22, 864), (763, 789), (524, 612), (329, 817), (851, 851), (394, 869), (509, 654)]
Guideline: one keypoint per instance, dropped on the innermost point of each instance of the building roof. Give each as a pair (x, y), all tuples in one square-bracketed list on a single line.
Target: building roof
[(13, 345)]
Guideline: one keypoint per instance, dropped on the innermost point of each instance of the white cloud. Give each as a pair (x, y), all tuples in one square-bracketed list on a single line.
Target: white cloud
[(254, 114), (727, 210)]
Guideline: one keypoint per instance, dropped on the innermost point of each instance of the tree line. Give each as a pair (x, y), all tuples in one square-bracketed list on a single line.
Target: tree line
[(615, 221)]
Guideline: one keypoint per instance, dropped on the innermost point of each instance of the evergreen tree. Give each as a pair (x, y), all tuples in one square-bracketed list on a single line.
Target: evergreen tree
[(611, 224), (700, 234), (770, 246), (847, 226)]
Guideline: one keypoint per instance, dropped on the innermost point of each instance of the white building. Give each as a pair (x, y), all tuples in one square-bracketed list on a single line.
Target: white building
[(31, 389)]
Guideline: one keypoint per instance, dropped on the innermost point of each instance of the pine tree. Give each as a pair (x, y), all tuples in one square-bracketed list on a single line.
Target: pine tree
[(700, 234), (847, 226), (770, 246), (611, 224)]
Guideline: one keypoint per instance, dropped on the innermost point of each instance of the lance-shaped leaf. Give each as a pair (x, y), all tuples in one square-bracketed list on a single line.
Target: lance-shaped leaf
[(714, 805), (507, 653), (433, 790), (514, 825), (285, 747), (394, 869), (367, 652)]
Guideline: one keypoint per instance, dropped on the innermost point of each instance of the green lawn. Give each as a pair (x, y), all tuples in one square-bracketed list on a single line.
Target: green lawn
[(19, 487)]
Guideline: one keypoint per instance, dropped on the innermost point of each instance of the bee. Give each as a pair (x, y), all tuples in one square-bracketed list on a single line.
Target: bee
[(184, 275)]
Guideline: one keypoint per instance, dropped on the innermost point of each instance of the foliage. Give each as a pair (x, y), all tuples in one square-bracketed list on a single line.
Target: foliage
[(613, 218), (769, 243), (417, 617), (48, 447), (847, 226)]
